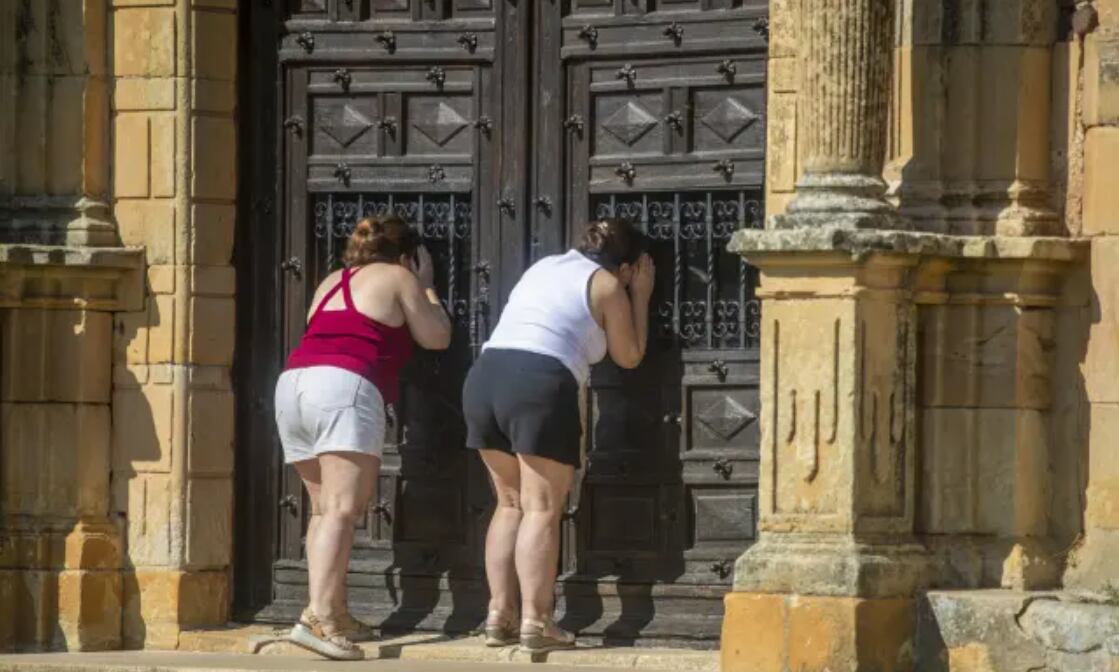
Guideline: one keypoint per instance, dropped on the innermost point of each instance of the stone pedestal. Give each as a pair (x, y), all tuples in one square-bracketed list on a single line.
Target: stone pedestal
[(836, 553), (856, 364)]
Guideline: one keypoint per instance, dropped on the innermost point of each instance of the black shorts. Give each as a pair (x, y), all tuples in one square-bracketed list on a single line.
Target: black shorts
[(524, 403)]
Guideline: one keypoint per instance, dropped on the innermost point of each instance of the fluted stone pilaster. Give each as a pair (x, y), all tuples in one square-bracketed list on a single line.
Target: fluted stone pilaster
[(845, 73)]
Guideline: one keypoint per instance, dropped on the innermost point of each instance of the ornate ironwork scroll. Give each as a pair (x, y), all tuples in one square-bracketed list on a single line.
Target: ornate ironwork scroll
[(705, 296)]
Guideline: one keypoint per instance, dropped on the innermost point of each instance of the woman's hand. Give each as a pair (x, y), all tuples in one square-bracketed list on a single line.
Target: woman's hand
[(424, 267), (644, 276)]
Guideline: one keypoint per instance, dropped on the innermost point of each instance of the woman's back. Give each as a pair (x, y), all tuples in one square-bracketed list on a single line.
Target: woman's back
[(549, 313)]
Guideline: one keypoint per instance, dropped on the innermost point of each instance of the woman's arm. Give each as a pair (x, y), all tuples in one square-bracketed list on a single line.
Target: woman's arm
[(625, 313), (423, 311)]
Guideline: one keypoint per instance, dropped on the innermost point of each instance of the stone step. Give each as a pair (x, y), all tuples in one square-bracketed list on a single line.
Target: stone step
[(271, 641), (176, 661)]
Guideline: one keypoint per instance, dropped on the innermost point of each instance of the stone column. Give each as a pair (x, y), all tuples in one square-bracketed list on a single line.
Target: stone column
[(54, 124), (844, 102), (836, 563)]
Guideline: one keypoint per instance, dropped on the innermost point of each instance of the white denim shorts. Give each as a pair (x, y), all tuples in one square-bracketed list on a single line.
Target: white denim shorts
[(325, 409)]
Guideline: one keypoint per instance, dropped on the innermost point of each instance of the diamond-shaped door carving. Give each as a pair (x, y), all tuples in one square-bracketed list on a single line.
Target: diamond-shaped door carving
[(345, 124), (725, 417), (729, 118), (440, 123), (629, 122)]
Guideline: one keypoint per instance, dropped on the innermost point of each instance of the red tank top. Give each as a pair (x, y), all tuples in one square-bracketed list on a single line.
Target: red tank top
[(348, 339)]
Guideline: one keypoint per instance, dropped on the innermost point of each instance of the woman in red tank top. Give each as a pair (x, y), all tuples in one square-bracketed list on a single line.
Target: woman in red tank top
[(330, 405)]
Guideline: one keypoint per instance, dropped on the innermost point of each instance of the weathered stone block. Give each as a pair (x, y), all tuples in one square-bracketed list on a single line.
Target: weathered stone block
[(211, 433), (1101, 365), (10, 615), (784, 24), (132, 156), (150, 609), (135, 94), (144, 42), (213, 233), (160, 603), (89, 610), (212, 346), (1101, 198), (214, 160), (215, 45), (67, 120), (1101, 80), (161, 279), (985, 356), (775, 633), (150, 534), (1103, 469), (37, 606), (93, 547), (216, 281), (214, 95), (204, 599), (142, 429), (781, 144), (55, 459), (148, 224), (130, 337), (754, 632), (56, 355), (984, 472), (163, 155), (209, 523), (161, 328)]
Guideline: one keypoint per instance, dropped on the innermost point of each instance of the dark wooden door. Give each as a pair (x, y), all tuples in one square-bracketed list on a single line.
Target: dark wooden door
[(500, 127)]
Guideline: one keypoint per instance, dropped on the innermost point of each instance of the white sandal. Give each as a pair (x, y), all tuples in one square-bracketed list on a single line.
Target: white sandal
[(326, 639)]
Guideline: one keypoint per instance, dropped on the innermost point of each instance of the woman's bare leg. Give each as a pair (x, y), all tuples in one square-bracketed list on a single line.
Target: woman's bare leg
[(348, 480), (311, 476), (501, 538), (544, 487)]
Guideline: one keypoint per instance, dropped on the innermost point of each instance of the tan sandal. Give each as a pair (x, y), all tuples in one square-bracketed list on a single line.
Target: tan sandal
[(348, 626), (500, 630), (324, 638), (535, 637)]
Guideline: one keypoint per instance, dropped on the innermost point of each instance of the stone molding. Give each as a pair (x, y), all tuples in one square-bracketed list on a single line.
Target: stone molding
[(56, 277)]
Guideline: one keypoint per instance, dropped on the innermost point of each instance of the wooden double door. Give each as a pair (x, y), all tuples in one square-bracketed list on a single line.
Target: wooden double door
[(500, 127)]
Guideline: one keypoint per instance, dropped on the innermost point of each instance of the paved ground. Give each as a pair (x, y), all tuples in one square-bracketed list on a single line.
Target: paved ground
[(143, 661), (254, 647)]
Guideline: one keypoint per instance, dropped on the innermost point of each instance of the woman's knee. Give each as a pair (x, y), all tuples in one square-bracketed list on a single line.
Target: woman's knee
[(346, 508), (508, 500)]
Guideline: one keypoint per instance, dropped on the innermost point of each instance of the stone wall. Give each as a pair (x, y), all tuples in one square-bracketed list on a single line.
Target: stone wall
[(1093, 565), (117, 191), (174, 187)]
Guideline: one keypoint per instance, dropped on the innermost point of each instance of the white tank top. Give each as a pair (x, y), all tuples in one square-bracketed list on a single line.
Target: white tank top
[(549, 313)]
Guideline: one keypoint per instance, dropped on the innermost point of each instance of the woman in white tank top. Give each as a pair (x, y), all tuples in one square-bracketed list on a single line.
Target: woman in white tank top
[(521, 404)]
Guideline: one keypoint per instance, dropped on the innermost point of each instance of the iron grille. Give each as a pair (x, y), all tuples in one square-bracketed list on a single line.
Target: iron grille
[(443, 220), (705, 295)]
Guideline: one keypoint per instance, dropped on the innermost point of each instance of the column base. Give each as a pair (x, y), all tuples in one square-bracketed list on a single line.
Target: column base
[(840, 200), (160, 603), (57, 220), (831, 564), (774, 633)]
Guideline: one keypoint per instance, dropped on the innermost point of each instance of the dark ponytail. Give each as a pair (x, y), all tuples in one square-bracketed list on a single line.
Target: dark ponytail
[(612, 242)]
